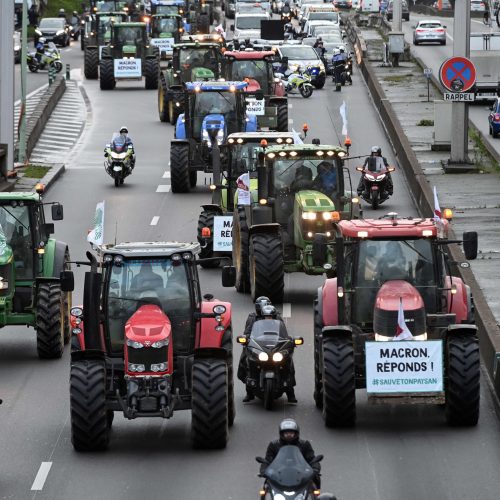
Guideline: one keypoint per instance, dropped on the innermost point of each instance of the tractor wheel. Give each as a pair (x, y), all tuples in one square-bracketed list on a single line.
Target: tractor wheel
[(203, 24), (209, 414), (206, 219), (240, 250), (151, 69), (318, 380), (179, 168), (82, 42), (339, 385), (283, 117), (91, 64), (227, 344), (107, 74), (266, 266), (49, 321), (193, 178), (162, 103), (67, 296), (90, 422), (268, 394), (463, 374)]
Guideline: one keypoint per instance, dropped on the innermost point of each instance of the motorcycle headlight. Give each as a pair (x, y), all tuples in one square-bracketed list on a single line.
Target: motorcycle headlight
[(160, 343), (381, 177), (139, 368), (134, 344), (263, 356), (60, 32), (370, 177), (159, 367), (309, 215), (277, 357)]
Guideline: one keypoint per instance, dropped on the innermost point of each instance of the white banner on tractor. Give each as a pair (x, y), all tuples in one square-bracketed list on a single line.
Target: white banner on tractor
[(96, 236), (256, 107), (128, 68), (404, 366), (164, 44), (223, 233)]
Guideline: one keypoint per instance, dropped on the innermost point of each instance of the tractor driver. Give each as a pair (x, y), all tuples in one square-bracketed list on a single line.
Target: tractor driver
[(146, 278), (326, 180)]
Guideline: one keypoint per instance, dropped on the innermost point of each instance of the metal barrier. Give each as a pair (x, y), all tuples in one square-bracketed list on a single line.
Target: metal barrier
[(52, 75), (68, 72)]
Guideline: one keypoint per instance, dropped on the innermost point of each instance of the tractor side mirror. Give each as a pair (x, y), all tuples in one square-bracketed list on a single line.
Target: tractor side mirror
[(470, 245), (260, 460), (57, 212), (231, 27), (48, 229), (67, 280), (228, 276)]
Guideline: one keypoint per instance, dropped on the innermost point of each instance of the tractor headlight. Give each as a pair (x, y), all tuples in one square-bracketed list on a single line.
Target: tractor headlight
[(134, 344), (277, 357), (219, 309), (159, 367), (76, 312), (138, 368), (263, 356), (160, 343), (76, 331), (309, 215)]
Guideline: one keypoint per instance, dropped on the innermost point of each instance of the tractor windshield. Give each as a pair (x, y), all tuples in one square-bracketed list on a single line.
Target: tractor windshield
[(129, 35), (149, 281), (169, 9), (167, 25), (215, 103), (244, 157), (255, 70), (191, 58), (15, 232), (381, 260), (104, 30)]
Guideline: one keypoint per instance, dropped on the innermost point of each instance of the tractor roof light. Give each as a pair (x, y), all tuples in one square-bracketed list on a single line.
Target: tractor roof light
[(320, 153), (309, 215), (448, 214), (279, 140), (289, 140), (232, 88), (40, 188), (240, 140), (263, 201), (118, 260), (205, 232), (187, 256), (271, 155), (108, 258), (362, 234), (263, 143), (330, 153), (282, 153), (231, 140), (197, 88), (341, 154), (293, 153)]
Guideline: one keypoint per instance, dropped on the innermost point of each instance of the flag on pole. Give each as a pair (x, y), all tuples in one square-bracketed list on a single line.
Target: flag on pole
[(96, 236), (437, 209), (402, 331), (296, 137), (343, 114)]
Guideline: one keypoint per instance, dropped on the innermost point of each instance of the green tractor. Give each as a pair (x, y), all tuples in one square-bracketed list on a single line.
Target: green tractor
[(201, 15), (30, 266), (238, 156), (166, 30), (129, 56), (191, 62), (97, 34), (302, 191)]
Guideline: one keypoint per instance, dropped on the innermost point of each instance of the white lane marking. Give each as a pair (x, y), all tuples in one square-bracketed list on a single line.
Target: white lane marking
[(290, 121), (449, 36), (163, 188), (287, 310), (41, 476), (154, 220), (290, 105), (166, 175)]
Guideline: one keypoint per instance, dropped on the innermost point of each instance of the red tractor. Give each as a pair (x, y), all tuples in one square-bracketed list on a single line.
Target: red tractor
[(396, 322), (146, 343), (266, 94)]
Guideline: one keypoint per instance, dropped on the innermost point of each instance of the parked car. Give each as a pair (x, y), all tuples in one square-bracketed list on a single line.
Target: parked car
[(477, 6), (494, 118), (429, 30), (54, 29), (404, 7)]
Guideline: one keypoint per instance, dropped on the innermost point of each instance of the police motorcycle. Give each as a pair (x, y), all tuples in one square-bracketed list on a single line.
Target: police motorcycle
[(296, 79), (51, 58), (269, 356), (120, 159), (290, 476)]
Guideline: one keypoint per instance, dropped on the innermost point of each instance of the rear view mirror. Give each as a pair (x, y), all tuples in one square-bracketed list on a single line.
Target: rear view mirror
[(470, 245), (57, 212), (67, 281), (228, 276)]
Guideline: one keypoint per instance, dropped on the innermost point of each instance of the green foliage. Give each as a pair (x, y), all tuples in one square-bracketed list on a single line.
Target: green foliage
[(69, 6), (425, 123), (35, 171)]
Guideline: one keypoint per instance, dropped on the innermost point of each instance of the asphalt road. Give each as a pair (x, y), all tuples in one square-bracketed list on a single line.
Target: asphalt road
[(394, 453), (434, 55)]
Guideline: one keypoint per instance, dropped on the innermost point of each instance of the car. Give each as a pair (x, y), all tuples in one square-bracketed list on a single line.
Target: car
[(299, 57), (494, 118), (311, 26), (252, 5), (247, 25), (53, 29), (477, 6), (429, 30), (405, 9), (445, 5), (343, 4)]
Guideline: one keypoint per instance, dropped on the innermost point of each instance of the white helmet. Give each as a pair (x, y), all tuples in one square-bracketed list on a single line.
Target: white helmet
[(123, 130), (341, 48)]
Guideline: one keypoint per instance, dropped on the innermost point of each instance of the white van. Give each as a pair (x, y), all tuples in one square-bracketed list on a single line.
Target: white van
[(369, 6), (247, 25)]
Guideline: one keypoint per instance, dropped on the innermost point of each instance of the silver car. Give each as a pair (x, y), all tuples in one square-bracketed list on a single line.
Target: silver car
[(430, 30)]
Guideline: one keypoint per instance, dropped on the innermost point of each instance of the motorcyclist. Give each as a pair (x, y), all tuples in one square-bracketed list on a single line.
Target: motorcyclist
[(262, 312), (375, 163), (128, 142), (289, 432), (62, 13), (290, 31), (40, 49)]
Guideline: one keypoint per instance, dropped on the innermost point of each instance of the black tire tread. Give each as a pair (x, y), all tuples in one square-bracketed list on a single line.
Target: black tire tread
[(206, 219), (151, 69), (49, 321), (107, 74), (282, 117), (240, 227), (91, 64), (179, 168)]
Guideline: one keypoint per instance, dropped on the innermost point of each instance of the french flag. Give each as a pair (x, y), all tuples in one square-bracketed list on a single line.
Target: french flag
[(402, 331)]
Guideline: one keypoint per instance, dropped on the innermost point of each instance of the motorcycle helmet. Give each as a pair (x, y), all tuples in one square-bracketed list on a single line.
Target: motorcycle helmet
[(62, 12), (376, 150), (260, 303), (341, 49), (123, 130), (42, 39), (289, 425), (269, 310), (75, 13)]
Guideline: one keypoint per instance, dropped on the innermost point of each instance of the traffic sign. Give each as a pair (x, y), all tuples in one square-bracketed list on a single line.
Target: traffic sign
[(458, 97), (457, 74)]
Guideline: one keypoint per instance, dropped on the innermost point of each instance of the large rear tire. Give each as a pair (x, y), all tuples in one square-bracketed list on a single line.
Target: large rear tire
[(91, 63), (339, 384), (227, 344), (151, 70), (266, 266), (463, 380), (107, 74), (90, 422), (49, 321), (282, 116), (179, 168), (209, 415), (162, 102), (206, 219), (241, 250)]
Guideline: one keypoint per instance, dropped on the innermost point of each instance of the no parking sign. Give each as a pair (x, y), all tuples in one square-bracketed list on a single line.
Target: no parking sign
[(457, 74)]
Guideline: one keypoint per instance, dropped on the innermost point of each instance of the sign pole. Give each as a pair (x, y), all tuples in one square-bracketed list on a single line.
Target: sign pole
[(460, 110)]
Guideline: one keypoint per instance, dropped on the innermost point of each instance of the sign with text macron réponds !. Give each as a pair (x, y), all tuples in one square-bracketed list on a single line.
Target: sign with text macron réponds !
[(128, 68), (223, 233), (164, 44), (404, 366)]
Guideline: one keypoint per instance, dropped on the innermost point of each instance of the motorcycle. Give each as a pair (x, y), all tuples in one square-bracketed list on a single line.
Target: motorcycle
[(290, 476), (345, 77), (51, 58), (269, 356), (120, 159), (297, 80), (375, 185)]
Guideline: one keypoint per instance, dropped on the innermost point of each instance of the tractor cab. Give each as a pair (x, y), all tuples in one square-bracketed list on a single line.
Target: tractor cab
[(196, 62), (169, 7), (104, 23), (128, 40), (166, 30)]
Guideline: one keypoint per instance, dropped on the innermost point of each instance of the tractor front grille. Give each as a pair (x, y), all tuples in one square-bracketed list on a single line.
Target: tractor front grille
[(147, 356)]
